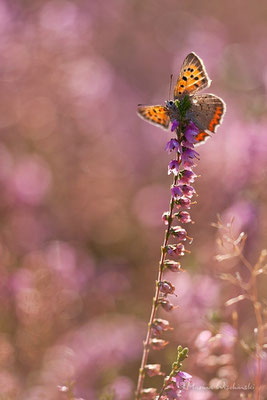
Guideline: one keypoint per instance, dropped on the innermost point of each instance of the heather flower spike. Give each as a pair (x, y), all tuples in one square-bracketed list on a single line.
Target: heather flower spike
[(193, 119), (178, 380)]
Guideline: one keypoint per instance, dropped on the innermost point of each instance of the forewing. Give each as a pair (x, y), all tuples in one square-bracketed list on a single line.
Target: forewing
[(207, 113), (155, 114), (193, 76)]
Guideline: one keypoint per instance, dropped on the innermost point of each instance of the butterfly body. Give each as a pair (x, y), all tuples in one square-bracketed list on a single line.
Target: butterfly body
[(206, 110)]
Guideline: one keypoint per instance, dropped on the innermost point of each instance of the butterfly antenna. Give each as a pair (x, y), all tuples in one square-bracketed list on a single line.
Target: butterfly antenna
[(170, 87)]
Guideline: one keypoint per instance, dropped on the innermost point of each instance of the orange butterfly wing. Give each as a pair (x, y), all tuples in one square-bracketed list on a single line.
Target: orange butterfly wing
[(207, 113), (201, 137), (155, 114), (217, 118), (193, 76)]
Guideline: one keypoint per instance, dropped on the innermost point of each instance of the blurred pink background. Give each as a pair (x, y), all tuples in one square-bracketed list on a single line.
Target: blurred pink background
[(84, 184)]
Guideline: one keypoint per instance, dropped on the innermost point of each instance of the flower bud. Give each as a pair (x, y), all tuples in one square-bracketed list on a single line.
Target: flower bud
[(173, 266), (187, 157), (182, 379), (160, 325), (158, 344), (175, 249), (187, 190), (178, 232), (165, 304), (183, 216), (153, 370), (171, 391), (166, 217), (172, 145), (148, 394), (173, 167), (183, 202), (187, 176), (166, 287), (175, 124), (176, 191)]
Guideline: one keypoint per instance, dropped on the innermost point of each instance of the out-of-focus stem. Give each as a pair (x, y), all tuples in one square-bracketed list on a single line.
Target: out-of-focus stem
[(155, 299), (258, 315), (260, 334)]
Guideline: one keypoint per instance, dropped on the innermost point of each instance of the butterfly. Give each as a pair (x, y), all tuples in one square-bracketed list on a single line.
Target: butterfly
[(206, 110)]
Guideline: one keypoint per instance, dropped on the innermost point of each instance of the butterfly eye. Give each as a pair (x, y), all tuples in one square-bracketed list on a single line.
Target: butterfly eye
[(171, 103)]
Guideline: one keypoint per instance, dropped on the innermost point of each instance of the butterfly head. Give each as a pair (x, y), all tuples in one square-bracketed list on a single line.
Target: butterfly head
[(170, 105), (171, 109)]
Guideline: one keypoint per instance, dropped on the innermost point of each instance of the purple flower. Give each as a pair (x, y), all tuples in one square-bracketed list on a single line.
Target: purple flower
[(166, 217), (184, 375), (182, 378), (166, 287), (179, 232), (172, 393), (202, 340), (187, 190), (158, 344), (183, 202), (173, 167), (175, 249), (187, 176), (190, 132), (186, 144), (228, 335), (172, 145), (149, 393), (166, 305), (187, 157), (176, 191), (160, 325), (183, 216), (153, 370), (172, 265), (175, 125)]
